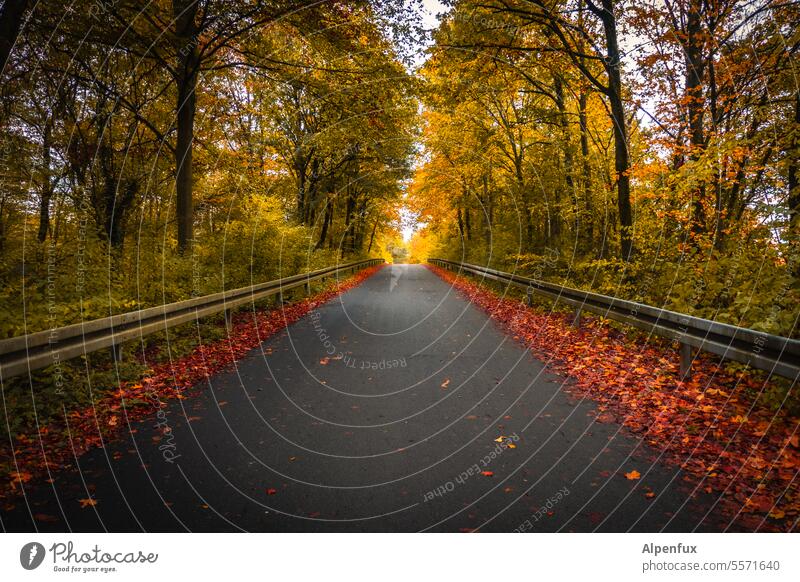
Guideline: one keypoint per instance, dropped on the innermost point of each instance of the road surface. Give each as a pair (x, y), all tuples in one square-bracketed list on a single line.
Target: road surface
[(397, 406)]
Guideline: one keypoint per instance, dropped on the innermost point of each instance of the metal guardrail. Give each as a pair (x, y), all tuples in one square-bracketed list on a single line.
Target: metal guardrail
[(774, 354), (23, 354)]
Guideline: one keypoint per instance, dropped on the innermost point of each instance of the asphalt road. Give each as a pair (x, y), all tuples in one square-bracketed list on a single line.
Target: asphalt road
[(378, 412)]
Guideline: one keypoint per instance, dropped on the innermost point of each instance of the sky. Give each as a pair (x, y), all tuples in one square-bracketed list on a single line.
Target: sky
[(432, 7)]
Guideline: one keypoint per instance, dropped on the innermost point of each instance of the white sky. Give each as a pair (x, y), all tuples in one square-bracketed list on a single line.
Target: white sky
[(432, 8)]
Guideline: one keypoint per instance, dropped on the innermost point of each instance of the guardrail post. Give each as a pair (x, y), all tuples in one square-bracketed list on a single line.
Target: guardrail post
[(228, 319), (308, 287), (116, 352), (529, 296), (686, 362)]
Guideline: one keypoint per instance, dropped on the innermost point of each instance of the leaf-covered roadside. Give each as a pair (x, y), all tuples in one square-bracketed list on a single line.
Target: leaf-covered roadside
[(712, 426), (33, 455)]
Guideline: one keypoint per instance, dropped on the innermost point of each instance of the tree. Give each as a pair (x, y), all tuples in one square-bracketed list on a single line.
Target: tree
[(569, 28)]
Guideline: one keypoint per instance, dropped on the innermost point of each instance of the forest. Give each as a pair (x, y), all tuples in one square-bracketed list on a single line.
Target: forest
[(153, 152), (645, 149)]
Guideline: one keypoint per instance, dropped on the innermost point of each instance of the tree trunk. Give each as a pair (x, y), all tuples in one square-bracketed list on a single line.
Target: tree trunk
[(794, 164), (695, 106), (466, 230), (621, 155), (348, 220), (311, 190), (10, 24), (530, 231), (301, 190), (2, 223), (188, 67), (118, 215), (362, 223), (487, 211), (326, 222), (372, 236), (586, 169), (569, 178), (47, 184)]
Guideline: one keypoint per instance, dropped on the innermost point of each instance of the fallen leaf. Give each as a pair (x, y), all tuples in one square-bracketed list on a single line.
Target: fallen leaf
[(633, 475), (446, 383), (87, 502)]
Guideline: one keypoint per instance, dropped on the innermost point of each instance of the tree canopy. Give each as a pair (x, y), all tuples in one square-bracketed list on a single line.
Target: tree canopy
[(643, 149), (646, 149), (199, 145)]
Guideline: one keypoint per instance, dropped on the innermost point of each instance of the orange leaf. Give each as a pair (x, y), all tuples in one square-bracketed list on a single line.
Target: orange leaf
[(633, 475), (87, 502)]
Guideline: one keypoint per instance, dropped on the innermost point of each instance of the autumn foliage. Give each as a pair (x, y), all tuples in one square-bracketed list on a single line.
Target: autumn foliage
[(646, 150), (711, 426)]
